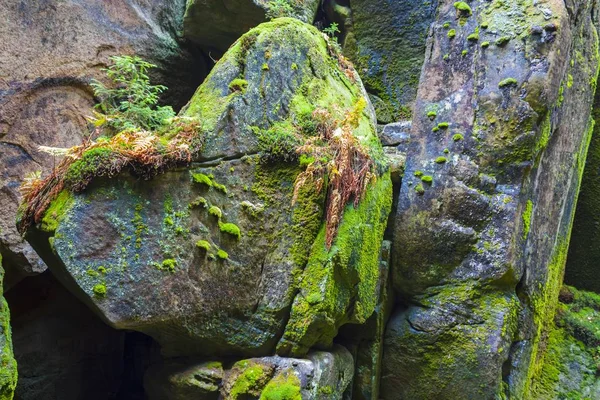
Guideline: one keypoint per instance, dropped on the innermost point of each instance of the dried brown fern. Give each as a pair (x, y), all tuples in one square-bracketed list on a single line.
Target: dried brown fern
[(141, 151), (343, 159)]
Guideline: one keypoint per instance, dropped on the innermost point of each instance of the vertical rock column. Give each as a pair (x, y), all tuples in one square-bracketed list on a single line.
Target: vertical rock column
[(500, 134)]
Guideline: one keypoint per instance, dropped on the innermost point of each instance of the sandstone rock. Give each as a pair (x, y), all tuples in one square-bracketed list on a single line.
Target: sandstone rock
[(218, 23), (386, 41), (8, 365), (48, 53), (501, 131), (214, 259), (319, 375)]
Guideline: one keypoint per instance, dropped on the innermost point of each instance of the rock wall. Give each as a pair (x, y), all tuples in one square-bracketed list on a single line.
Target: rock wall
[(500, 135)]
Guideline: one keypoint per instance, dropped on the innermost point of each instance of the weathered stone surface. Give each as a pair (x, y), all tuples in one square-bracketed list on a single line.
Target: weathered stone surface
[(218, 23), (502, 129), (48, 53), (386, 41), (320, 375), (8, 365), (64, 352), (156, 256)]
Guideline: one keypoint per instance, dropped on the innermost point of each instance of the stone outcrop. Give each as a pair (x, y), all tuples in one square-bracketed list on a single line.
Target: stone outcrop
[(216, 258), (499, 139), (216, 24), (319, 375), (48, 53)]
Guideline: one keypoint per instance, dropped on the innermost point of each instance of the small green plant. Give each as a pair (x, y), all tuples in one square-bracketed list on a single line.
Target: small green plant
[(441, 160), (463, 8), (457, 137), (427, 179), (419, 189), (131, 101), (332, 30), (278, 9), (451, 33)]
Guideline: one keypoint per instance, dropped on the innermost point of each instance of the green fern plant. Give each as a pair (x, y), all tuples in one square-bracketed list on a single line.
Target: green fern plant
[(278, 9), (131, 101)]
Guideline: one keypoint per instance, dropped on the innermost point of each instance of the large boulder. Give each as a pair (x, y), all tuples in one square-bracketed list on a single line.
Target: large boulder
[(216, 24), (8, 365), (499, 141), (319, 374), (216, 258), (386, 41), (49, 52)]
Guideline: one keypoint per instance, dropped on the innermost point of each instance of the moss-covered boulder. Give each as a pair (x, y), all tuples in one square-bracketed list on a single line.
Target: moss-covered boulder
[(234, 254), (8, 365), (320, 375), (499, 139), (386, 41), (218, 23)]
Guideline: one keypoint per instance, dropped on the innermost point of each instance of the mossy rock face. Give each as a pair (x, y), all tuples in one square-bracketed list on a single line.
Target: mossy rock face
[(321, 374), (570, 367), (217, 23), (499, 207), (8, 365), (214, 259), (386, 41)]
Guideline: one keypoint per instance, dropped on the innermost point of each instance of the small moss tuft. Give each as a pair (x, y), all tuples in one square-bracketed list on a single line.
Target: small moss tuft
[(230, 229), (431, 115), (222, 254), (238, 85), (501, 41), (202, 179), (427, 179), (441, 160), (419, 189), (100, 289), (458, 137), (443, 125), (463, 8), (485, 44), (508, 82), (418, 173), (451, 33), (215, 212), (169, 264), (203, 244)]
